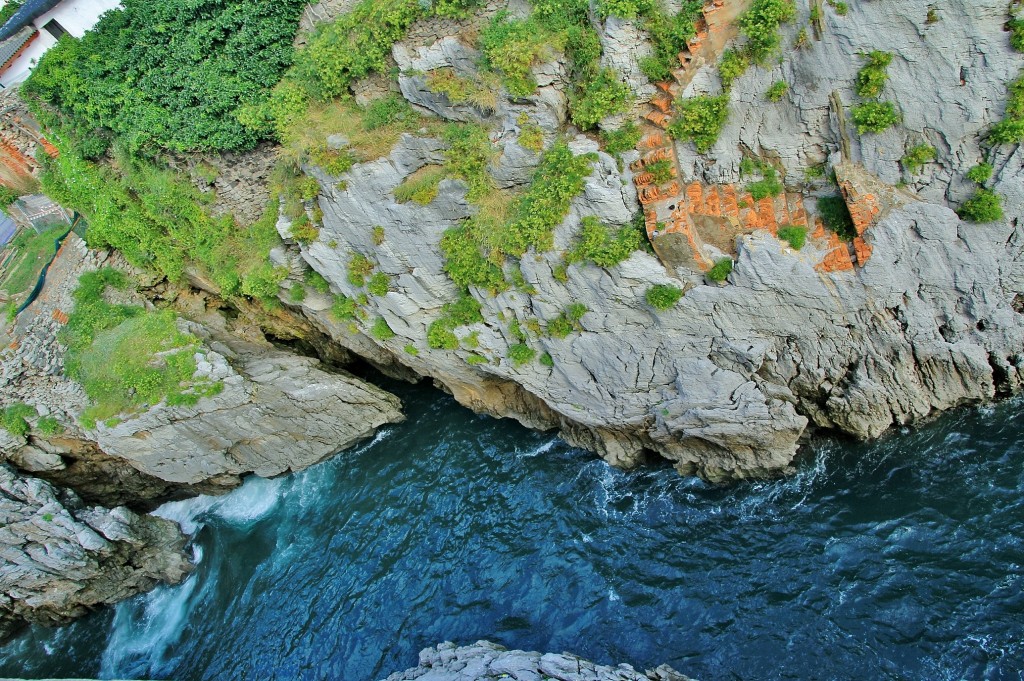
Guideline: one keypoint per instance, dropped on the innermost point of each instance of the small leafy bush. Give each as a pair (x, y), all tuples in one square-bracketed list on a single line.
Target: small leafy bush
[(512, 47), (411, 349), (559, 327), (731, 66), (721, 270), (547, 360), (769, 185), (465, 310), (984, 206), (379, 285), (468, 156), (663, 296), (624, 139), (530, 135), (420, 187), (316, 281), (777, 90), (381, 331), (1010, 130), (625, 9), (521, 353), (661, 170), (387, 110), (840, 7), (669, 34), (604, 95), (474, 359), (980, 173), (297, 293), (700, 119), (343, 307), (915, 157), (872, 76), (875, 116), (14, 419), (760, 24), (49, 426), (359, 268), (795, 236)]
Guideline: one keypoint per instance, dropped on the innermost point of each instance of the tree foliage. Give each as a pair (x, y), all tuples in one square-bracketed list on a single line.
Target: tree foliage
[(168, 73)]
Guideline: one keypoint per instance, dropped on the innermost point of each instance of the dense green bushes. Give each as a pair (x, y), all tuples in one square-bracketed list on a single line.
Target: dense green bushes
[(167, 73), (663, 296), (464, 311), (794, 235), (836, 215), (624, 139), (721, 271), (731, 66), (980, 173), (777, 91), (875, 116), (768, 185), (700, 119), (512, 46), (605, 95), (669, 34), (625, 9), (760, 25), (1010, 130), (14, 419), (984, 206)]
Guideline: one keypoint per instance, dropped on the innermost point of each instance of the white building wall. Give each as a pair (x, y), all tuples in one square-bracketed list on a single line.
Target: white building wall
[(76, 16)]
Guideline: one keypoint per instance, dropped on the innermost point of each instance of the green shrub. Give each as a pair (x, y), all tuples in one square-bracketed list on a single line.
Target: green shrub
[(381, 331), (359, 268), (915, 157), (303, 230), (731, 66), (597, 244), (625, 9), (530, 135), (379, 285), (980, 173), (795, 236), (769, 185), (760, 24), (354, 45), (700, 119), (316, 281), (458, 9), (387, 110), (836, 215), (469, 153), (474, 359), (669, 34), (1010, 130), (512, 47), (127, 77), (7, 195), (663, 296), (872, 76), (875, 116), (410, 349), (521, 353), (1016, 26), (378, 235), (777, 90), (48, 426), (559, 327), (466, 260), (604, 95), (547, 360), (464, 311), (984, 206), (14, 419), (343, 307), (622, 140), (840, 7), (297, 293), (721, 270), (461, 90)]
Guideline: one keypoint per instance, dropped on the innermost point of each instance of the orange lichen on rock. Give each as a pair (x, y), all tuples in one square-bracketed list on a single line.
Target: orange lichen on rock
[(863, 250)]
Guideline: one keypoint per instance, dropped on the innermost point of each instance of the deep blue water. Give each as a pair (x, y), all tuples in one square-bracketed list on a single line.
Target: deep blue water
[(899, 559)]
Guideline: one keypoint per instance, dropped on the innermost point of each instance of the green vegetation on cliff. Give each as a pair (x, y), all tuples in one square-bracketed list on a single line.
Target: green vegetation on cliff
[(125, 357)]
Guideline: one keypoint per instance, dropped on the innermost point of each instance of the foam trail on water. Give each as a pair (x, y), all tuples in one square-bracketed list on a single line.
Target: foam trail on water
[(145, 627)]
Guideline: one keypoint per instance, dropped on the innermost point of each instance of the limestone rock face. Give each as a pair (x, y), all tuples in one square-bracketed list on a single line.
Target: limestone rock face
[(278, 412), (485, 660), (59, 558)]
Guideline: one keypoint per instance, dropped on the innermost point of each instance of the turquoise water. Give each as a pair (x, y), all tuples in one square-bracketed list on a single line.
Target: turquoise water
[(900, 559)]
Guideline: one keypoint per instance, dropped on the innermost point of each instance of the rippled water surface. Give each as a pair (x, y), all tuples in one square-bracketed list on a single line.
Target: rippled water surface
[(900, 559)]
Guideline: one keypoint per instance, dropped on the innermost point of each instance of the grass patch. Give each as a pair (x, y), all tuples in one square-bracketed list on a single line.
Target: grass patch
[(33, 252), (777, 91), (125, 357), (617, 142), (721, 271), (462, 312), (604, 95), (381, 331), (379, 284), (768, 185), (421, 186), (795, 236), (461, 90), (520, 354), (14, 419), (359, 268), (663, 296), (669, 34)]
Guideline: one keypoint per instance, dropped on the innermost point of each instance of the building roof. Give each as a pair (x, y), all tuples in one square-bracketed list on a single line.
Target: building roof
[(7, 229), (24, 16), (9, 48)]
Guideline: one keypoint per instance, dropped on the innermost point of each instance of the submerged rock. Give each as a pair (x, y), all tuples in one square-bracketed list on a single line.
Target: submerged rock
[(486, 660)]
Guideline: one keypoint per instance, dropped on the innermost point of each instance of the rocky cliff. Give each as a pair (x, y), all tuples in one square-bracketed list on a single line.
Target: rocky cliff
[(922, 316), (485, 660), (277, 412)]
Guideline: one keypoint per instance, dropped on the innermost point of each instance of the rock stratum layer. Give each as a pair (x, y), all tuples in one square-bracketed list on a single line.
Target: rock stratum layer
[(485, 660)]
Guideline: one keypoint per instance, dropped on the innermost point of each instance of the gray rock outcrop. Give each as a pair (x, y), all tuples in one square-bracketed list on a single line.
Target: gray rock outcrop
[(485, 660), (59, 558)]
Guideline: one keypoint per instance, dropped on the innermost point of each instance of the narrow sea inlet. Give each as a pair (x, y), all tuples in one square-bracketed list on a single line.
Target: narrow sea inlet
[(899, 559)]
